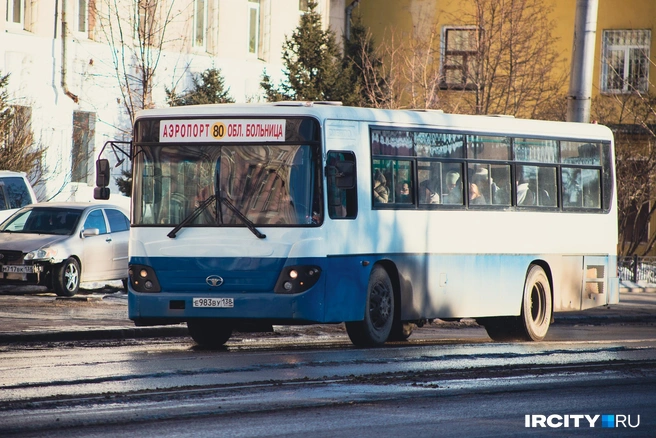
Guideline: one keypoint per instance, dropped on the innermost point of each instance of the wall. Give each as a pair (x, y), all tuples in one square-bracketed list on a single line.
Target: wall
[(33, 55)]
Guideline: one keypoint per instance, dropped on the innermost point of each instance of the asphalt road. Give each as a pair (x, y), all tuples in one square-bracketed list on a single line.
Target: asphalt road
[(459, 385), (101, 313)]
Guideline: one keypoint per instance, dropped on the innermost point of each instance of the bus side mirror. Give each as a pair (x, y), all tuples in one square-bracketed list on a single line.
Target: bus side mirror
[(344, 174), (102, 172), (101, 193)]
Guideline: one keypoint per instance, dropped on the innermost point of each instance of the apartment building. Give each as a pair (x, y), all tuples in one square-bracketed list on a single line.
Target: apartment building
[(80, 68)]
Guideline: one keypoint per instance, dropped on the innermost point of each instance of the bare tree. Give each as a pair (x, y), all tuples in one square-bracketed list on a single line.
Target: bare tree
[(400, 72), (513, 66), (495, 57), (137, 35), (632, 116), (18, 149)]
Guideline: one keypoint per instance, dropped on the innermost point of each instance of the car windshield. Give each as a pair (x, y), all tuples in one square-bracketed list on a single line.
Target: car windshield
[(59, 221)]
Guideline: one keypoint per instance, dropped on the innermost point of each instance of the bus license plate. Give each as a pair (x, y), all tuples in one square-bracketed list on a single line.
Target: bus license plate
[(214, 302), (18, 269)]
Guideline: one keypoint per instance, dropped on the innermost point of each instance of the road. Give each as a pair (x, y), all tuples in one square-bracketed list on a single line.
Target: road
[(448, 380)]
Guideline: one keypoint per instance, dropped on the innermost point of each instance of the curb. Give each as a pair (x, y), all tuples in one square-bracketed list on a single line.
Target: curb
[(603, 319), (92, 335)]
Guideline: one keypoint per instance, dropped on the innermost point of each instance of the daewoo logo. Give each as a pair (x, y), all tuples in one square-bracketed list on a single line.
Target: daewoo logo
[(214, 280)]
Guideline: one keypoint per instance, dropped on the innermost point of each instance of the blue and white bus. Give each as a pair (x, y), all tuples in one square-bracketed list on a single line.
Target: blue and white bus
[(312, 212)]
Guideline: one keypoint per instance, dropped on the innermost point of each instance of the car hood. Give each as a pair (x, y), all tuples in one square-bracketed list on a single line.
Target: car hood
[(27, 242)]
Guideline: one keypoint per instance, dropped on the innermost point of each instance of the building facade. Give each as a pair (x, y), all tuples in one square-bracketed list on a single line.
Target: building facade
[(79, 69), (458, 39), (623, 62)]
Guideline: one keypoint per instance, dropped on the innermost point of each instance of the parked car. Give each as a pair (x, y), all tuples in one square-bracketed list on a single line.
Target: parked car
[(15, 192), (60, 245)]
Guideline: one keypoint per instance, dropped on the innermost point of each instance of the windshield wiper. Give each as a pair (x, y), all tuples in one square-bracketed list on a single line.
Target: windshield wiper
[(251, 226), (244, 219), (194, 214)]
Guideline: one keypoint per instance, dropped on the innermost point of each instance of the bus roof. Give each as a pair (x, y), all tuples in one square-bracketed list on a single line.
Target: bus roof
[(433, 118)]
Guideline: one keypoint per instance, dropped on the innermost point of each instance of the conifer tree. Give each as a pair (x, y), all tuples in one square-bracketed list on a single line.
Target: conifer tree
[(364, 66), (208, 87), (313, 65)]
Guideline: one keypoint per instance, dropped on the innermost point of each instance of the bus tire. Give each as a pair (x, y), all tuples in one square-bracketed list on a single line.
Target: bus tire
[(375, 328), (401, 331), (536, 305), (209, 333), (533, 322), (66, 280), (502, 328)]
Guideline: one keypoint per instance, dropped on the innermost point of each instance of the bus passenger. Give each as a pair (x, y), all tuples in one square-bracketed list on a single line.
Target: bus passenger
[(403, 193), (475, 196), (381, 194), (525, 195), (454, 189), (430, 190)]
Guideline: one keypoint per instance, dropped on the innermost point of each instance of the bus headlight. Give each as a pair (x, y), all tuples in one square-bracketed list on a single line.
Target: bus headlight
[(143, 278), (297, 279)]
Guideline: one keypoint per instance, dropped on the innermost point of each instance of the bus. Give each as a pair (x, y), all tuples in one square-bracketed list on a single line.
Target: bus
[(297, 213)]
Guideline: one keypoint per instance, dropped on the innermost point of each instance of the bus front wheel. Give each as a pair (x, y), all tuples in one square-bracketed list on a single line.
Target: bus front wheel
[(209, 333), (376, 326)]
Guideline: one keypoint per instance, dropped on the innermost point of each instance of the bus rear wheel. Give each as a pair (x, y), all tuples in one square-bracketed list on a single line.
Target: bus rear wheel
[(209, 333), (535, 318), (536, 305), (375, 328)]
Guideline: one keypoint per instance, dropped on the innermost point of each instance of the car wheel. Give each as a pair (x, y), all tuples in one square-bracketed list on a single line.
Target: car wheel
[(66, 281), (125, 284)]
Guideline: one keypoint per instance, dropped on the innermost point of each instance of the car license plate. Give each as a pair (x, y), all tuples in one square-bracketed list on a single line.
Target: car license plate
[(18, 269), (214, 302)]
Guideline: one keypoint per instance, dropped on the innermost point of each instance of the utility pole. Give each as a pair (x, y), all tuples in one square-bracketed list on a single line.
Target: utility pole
[(580, 81)]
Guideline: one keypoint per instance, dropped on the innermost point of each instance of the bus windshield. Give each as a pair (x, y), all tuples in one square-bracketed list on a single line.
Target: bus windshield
[(268, 184)]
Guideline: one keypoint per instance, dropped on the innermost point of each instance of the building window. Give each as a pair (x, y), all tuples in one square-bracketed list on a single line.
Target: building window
[(253, 26), (459, 50), (200, 22), (84, 131), (16, 12), (82, 16), (625, 62)]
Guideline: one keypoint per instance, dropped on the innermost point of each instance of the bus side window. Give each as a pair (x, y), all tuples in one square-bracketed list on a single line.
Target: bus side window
[(341, 183)]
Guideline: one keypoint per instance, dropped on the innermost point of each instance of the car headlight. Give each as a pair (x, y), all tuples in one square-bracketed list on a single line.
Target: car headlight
[(40, 254)]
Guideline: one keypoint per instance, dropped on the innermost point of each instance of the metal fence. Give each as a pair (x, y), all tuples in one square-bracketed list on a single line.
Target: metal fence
[(637, 269)]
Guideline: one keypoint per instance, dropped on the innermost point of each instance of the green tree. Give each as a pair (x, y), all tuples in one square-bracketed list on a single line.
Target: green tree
[(314, 67), (208, 87), (365, 67), (18, 151), (124, 182)]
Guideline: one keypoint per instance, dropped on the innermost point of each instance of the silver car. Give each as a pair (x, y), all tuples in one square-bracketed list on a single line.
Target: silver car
[(61, 244)]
